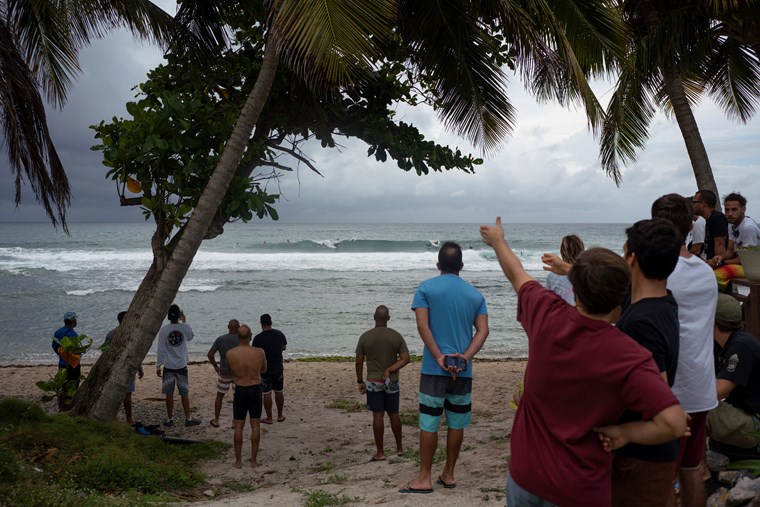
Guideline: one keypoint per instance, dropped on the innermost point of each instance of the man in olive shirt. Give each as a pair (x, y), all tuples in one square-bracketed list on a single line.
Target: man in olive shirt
[(386, 353)]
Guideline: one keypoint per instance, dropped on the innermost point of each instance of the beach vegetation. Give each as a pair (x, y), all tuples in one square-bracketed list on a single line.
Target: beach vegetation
[(347, 78), (409, 417), (53, 457), (348, 405), (414, 455), (335, 479), (321, 498)]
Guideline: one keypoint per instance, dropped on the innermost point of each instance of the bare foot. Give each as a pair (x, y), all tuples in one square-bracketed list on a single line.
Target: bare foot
[(281, 418), (267, 421), (399, 452), (237, 464), (254, 463), (378, 457), (130, 422)]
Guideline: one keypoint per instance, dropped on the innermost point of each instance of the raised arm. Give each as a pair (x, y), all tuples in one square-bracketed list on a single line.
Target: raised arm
[(493, 236)]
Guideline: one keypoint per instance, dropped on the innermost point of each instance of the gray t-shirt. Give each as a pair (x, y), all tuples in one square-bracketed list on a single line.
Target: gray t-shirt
[(222, 345)]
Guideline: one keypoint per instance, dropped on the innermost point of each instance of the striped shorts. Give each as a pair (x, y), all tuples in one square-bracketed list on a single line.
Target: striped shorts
[(439, 393)]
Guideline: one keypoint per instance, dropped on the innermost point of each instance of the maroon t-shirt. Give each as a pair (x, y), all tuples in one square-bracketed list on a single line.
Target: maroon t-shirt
[(581, 373)]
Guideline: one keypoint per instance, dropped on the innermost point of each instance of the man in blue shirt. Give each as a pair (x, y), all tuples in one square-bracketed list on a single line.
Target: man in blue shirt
[(446, 308), (72, 372)]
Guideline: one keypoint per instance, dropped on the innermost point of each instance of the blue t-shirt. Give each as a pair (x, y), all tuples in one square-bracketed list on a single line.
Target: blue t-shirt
[(453, 305), (64, 331)]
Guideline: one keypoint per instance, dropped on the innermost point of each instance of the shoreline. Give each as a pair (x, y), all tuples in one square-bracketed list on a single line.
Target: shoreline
[(325, 444)]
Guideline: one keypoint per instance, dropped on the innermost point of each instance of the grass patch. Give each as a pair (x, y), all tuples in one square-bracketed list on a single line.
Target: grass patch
[(62, 460), (438, 457), (335, 479), (323, 499), (325, 467), (409, 417), (239, 487), (348, 405), (326, 359)]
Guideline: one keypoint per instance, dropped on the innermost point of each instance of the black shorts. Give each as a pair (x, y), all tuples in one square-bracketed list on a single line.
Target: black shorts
[(382, 397), (247, 400), (272, 381)]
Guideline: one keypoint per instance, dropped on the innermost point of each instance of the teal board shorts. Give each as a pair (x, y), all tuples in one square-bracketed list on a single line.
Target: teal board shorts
[(439, 393)]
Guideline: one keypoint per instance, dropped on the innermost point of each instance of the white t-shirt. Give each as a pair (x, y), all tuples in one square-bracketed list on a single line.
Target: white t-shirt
[(697, 231), (562, 286), (693, 286), (747, 234), (172, 345)]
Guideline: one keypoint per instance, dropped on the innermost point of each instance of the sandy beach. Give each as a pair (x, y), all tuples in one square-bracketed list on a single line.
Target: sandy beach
[(326, 442)]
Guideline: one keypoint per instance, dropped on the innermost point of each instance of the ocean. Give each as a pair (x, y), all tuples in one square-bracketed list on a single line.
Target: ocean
[(320, 282)]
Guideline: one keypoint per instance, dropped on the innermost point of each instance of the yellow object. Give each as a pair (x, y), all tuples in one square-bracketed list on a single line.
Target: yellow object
[(71, 358), (133, 186)]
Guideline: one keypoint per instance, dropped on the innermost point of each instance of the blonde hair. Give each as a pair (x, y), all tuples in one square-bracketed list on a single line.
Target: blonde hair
[(571, 247)]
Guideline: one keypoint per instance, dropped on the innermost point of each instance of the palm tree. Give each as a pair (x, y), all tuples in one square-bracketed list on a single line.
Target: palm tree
[(334, 42), (39, 47), (678, 52)]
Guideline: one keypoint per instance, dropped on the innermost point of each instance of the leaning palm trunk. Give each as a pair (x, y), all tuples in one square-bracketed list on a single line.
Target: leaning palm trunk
[(101, 393), (700, 162)]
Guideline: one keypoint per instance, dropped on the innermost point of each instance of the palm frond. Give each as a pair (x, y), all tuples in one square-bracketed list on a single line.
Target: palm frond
[(329, 42), (733, 79), (459, 61), (27, 140)]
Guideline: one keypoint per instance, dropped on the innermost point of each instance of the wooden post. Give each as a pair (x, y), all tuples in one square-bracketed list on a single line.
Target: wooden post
[(751, 306)]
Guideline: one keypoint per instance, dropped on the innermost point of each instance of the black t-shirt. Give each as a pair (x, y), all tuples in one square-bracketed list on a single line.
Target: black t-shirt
[(273, 342), (739, 362), (715, 227), (653, 323)]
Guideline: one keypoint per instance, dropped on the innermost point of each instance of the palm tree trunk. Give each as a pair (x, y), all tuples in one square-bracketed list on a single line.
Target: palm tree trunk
[(700, 162), (101, 393)]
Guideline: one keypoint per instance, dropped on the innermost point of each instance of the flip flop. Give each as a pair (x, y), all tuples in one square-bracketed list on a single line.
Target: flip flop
[(214, 424), (376, 459), (410, 489), (281, 419), (445, 484), (267, 422)]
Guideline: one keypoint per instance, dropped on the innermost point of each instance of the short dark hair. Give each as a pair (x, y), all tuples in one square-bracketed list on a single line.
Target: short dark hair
[(736, 196), (601, 280), (677, 209), (450, 257), (708, 197), (657, 245), (120, 316), (266, 320)]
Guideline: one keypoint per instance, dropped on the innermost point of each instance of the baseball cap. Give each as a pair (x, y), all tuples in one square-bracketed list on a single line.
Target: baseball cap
[(729, 311), (174, 312), (70, 316)]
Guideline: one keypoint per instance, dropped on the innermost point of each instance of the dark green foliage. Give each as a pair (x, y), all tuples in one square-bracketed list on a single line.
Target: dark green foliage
[(81, 455)]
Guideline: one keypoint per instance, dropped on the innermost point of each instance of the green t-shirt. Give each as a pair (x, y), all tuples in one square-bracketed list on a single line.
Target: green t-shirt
[(381, 347)]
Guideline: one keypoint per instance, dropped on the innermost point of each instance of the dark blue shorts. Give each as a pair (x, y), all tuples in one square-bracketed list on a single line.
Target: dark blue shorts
[(383, 398), (247, 400), (272, 382)]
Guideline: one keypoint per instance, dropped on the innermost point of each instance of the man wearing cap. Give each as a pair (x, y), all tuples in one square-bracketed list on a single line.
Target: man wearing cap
[(172, 354), (273, 342), (738, 384), (73, 371)]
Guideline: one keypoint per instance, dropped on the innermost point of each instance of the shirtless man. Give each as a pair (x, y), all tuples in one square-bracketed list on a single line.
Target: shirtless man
[(246, 365)]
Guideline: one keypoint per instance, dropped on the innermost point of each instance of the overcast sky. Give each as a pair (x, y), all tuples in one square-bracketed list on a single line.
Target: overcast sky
[(547, 172)]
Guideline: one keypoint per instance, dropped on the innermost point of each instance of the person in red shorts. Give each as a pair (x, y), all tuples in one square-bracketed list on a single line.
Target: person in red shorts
[(581, 375)]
